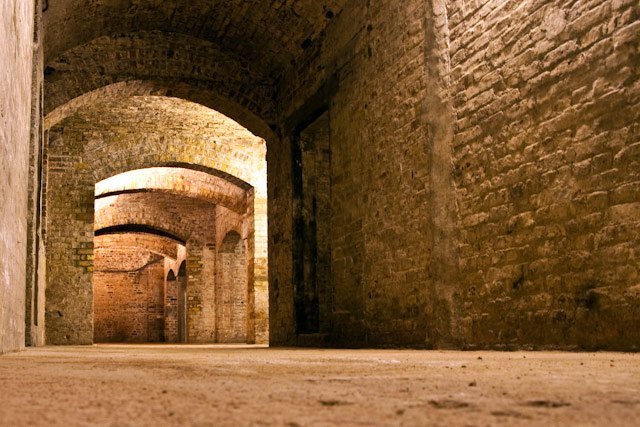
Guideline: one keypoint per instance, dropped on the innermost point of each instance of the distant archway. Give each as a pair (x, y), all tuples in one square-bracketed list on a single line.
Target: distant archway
[(191, 193)]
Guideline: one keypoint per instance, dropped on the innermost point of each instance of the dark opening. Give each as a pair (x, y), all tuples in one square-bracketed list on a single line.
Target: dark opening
[(182, 302), (311, 155)]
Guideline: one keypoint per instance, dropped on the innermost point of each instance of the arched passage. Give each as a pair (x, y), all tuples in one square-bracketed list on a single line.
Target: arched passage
[(134, 58), (191, 175)]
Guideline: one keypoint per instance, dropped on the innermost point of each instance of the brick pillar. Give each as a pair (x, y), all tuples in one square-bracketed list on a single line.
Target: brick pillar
[(171, 307), (201, 264), (69, 244), (260, 271), (281, 311)]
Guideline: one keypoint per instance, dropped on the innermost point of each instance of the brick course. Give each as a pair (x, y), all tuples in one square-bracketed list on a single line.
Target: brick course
[(547, 108)]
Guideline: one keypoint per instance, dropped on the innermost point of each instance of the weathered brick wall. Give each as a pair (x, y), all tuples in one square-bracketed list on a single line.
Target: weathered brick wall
[(231, 289), (16, 41), (160, 245), (183, 217), (129, 303), (312, 238), (260, 269), (547, 105), (34, 297), (171, 307), (219, 190), (379, 182), (484, 185), (219, 80), (484, 158)]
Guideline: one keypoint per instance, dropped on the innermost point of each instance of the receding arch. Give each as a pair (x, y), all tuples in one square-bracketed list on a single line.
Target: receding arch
[(172, 215), (171, 276), (182, 270), (222, 148), (218, 80), (144, 238), (263, 33), (191, 181), (229, 242), (126, 134), (137, 228), (70, 102)]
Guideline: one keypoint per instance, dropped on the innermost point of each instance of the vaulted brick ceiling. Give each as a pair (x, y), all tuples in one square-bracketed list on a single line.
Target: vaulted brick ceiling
[(237, 49), (124, 133), (270, 32), (215, 187)]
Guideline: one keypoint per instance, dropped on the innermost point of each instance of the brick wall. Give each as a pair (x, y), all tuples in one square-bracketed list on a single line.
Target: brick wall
[(159, 58), (16, 36), (184, 217), (129, 303), (231, 289), (547, 101), (35, 266), (69, 243), (379, 182), (483, 173), (484, 185)]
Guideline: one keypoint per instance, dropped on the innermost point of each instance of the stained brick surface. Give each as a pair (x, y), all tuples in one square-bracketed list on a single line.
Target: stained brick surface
[(129, 305), (547, 104), (483, 174)]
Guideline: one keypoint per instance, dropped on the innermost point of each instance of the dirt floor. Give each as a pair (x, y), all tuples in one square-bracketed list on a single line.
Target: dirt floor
[(241, 386)]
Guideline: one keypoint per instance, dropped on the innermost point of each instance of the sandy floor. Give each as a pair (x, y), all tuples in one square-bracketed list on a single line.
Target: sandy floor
[(242, 386)]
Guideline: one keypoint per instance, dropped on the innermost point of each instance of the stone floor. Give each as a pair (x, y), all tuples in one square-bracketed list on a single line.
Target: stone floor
[(241, 386)]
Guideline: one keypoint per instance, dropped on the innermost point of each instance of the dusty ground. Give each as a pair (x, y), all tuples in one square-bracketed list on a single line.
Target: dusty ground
[(241, 386)]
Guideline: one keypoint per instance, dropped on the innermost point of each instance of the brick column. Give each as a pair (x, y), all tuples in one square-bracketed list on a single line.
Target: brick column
[(70, 208)]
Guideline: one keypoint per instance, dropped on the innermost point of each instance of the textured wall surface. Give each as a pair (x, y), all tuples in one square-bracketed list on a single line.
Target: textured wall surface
[(129, 305), (16, 52), (547, 103), (484, 185), (379, 183), (231, 291), (69, 243), (484, 173)]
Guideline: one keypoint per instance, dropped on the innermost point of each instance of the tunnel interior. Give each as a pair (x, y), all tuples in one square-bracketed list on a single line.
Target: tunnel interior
[(430, 174)]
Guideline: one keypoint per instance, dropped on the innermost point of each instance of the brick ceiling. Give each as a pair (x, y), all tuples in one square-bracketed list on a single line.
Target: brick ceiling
[(271, 33), (228, 55)]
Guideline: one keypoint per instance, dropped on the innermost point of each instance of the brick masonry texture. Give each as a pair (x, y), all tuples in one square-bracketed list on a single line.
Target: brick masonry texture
[(162, 59), (547, 106), (482, 182), (379, 182), (484, 176), (129, 305), (16, 45)]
